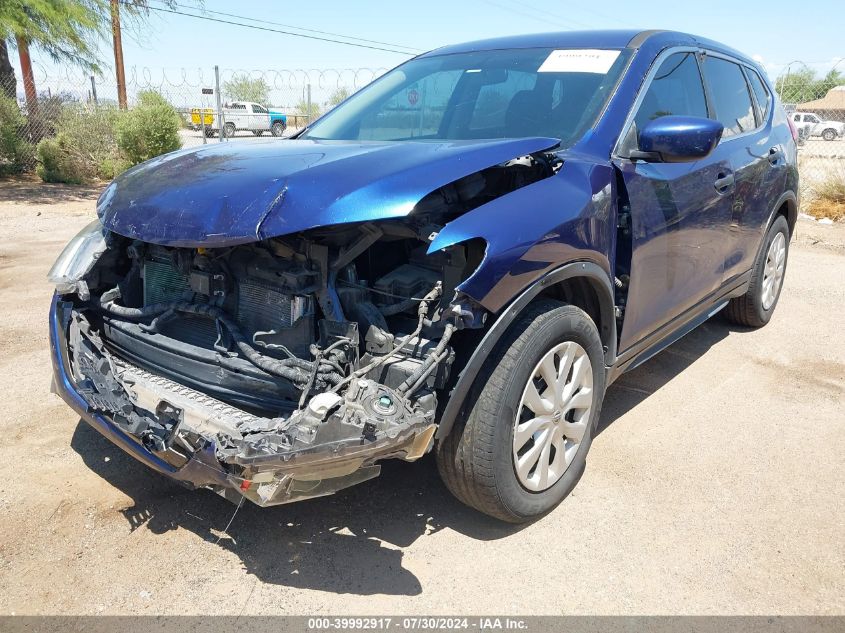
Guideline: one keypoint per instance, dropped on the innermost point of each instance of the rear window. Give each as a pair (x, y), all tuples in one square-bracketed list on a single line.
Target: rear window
[(731, 98), (764, 98)]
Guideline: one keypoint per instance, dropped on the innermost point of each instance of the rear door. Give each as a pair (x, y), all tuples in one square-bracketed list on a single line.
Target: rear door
[(743, 104), (679, 211)]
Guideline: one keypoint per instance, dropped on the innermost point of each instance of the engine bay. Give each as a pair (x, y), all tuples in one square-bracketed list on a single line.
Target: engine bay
[(303, 359)]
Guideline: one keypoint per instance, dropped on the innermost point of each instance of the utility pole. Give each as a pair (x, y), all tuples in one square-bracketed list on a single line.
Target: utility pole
[(118, 55), (221, 123)]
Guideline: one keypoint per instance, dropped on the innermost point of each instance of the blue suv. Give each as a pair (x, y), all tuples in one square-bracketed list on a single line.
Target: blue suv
[(460, 258)]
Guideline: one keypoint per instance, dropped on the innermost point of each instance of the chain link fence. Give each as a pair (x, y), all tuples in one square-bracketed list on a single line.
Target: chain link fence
[(817, 110), (244, 104), (81, 112), (298, 95)]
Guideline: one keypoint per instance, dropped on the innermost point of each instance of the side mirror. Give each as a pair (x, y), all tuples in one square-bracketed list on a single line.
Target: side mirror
[(678, 139)]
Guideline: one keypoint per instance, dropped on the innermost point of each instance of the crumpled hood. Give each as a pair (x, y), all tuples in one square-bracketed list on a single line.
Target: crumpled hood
[(231, 193)]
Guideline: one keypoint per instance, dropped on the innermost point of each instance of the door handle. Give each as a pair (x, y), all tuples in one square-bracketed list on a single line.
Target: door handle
[(775, 154), (724, 182)]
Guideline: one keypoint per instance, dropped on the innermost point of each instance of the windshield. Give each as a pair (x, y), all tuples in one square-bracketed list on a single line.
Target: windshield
[(513, 93)]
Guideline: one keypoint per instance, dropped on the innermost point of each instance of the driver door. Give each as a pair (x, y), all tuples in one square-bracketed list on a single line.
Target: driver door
[(679, 212)]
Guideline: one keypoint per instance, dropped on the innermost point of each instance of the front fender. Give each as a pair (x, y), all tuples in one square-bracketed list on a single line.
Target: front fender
[(537, 236), (531, 231), (458, 394)]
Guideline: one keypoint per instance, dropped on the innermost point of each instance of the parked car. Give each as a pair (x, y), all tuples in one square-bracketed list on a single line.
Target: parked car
[(810, 124), (459, 258), (240, 115)]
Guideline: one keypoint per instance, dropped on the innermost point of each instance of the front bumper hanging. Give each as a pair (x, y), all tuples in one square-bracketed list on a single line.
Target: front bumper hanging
[(331, 444)]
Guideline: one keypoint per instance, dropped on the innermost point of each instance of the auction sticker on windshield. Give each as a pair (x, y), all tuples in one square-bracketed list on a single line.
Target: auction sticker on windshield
[(588, 60)]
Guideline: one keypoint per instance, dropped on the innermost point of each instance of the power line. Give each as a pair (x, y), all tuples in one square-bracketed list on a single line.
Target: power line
[(264, 28), (603, 15), (523, 14), (549, 14), (301, 28)]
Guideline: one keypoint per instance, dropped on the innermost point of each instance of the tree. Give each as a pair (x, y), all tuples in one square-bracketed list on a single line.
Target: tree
[(832, 79), (339, 95), (8, 83), (302, 109), (66, 30), (799, 86), (246, 88)]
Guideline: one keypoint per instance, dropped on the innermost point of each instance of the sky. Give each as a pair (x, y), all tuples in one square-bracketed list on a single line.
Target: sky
[(773, 31)]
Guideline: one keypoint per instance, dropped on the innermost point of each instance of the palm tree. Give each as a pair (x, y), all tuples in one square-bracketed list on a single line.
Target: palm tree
[(66, 30)]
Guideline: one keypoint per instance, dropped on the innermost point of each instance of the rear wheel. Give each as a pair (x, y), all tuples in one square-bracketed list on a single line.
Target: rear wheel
[(522, 448), (229, 130), (829, 135), (756, 306)]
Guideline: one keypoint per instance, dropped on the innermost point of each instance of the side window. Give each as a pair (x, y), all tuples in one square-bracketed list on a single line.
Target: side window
[(811, 118), (676, 89), (731, 98), (764, 98), (797, 118)]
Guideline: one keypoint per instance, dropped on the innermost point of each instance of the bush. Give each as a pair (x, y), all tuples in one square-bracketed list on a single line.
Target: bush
[(16, 153), (102, 142), (149, 129), (60, 162), (828, 197), (84, 148)]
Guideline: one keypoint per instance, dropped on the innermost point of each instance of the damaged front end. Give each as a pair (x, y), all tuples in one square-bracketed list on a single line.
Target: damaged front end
[(278, 370)]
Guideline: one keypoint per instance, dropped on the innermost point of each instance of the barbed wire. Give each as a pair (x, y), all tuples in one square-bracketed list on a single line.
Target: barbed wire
[(301, 94), (146, 77)]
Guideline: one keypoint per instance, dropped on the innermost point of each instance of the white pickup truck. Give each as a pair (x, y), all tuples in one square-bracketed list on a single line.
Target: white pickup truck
[(240, 115), (810, 124)]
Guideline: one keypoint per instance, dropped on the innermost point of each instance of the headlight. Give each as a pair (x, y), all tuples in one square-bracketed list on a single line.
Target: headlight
[(78, 259)]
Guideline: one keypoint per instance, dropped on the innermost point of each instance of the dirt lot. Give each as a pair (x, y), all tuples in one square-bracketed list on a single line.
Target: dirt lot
[(715, 486)]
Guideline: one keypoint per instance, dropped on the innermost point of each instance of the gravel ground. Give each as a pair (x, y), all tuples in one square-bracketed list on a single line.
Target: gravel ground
[(716, 485)]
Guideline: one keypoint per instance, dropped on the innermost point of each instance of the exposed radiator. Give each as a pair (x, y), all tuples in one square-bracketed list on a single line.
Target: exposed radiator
[(259, 307), (262, 307), (162, 282)]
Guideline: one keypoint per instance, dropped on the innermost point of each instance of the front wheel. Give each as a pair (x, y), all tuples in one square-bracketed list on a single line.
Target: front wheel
[(278, 128), (522, 448), (756, 306), (829, 135)]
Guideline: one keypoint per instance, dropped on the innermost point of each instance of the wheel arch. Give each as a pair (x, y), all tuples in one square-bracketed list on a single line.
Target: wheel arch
[(787, 206), (583, 284)]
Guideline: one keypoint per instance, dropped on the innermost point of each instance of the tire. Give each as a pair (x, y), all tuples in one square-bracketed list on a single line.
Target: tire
[(229, 130), (477, 460), (278, 128), (752, 309), (258, 132), (829, 135)]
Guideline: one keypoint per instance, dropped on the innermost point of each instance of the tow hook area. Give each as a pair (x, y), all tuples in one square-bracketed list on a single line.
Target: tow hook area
[(332, 442)]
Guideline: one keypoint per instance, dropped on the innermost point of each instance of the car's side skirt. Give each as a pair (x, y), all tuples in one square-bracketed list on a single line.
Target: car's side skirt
[(683, 324)]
